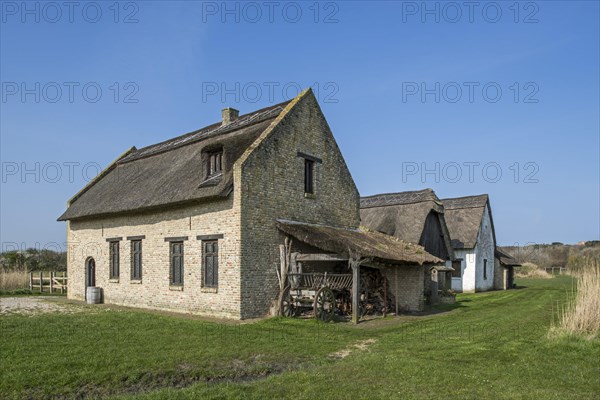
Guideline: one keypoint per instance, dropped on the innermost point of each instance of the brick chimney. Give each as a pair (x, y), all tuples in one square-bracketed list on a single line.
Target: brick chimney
[(229, 115)]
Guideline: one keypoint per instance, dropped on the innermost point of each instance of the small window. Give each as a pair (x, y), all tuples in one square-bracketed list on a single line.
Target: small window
[(211, 263), (457, 265), (309, 174), (484, 269), (114, 259), (136, 259), (215, 163), (176, 263)]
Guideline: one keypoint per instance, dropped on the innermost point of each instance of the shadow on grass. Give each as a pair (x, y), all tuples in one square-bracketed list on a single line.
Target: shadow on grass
[(444, 308), (27, 292)]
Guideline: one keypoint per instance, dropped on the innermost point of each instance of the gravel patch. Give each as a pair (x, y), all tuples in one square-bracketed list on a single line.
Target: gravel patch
[(34, 306)]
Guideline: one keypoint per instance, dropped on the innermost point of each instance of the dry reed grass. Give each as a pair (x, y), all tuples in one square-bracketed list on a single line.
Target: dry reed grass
[(581, 315), (13, 280)]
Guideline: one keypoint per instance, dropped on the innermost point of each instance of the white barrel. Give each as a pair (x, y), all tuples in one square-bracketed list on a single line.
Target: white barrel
[(94, 295)]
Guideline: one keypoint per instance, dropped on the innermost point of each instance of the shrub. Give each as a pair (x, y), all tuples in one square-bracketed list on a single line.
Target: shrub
[(531, 270)]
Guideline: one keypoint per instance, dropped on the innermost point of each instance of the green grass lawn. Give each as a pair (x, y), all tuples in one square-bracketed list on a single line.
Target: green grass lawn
[(487, 346)]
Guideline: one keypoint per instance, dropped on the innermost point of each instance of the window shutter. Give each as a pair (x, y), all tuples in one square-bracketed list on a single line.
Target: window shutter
[(114, 259), (177, 263), (211, 263), (136, 259), (308, 176)]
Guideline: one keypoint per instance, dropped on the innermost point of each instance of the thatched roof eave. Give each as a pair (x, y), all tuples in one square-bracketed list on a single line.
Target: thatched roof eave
[(358, 243), (141, 210)]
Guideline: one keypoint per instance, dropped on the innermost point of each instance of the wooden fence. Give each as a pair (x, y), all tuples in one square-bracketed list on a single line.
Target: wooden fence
[(556, 270), (52, 281)]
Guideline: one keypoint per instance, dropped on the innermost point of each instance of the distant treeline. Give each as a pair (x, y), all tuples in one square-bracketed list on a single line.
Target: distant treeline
[(33, 260), (557, 254)]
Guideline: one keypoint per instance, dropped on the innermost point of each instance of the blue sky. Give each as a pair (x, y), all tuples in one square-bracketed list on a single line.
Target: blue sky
[(417, 96)]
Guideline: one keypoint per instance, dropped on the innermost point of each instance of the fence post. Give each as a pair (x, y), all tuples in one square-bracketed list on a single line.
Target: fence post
[(41, 282), (31, 281), (62, 283), (51, 282)]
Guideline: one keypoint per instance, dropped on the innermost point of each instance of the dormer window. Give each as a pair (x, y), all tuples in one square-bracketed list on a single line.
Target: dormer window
[(212, 166), (215, 163)]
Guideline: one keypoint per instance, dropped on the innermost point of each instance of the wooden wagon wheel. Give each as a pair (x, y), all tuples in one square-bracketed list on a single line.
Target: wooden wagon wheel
[(324, 304), (288, 308)]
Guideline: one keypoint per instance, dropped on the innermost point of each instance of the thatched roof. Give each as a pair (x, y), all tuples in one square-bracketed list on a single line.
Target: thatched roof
[(171, 172), (404, 216), (506, 259), (399, 214), (463, 217), (358, 242)]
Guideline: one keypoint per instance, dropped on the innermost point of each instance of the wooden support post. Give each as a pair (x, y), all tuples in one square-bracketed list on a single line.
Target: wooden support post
[(284, 259), (282, 278), (396, 295), (51, 282), (62, 283), (31, 281), (355, 265), (41, 281), (384, 296), (434, 286)]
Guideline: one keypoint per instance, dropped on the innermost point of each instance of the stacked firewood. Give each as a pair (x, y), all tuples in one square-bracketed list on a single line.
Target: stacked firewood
[(375, 294)]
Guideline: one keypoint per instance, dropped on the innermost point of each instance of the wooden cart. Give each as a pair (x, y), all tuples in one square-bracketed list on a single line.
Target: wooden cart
[(319, 291)]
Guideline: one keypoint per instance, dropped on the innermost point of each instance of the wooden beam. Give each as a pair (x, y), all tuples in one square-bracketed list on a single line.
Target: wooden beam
[(396, 287), (378, 265), (320, 257), (355, 265), (284, 259), (385, 285)]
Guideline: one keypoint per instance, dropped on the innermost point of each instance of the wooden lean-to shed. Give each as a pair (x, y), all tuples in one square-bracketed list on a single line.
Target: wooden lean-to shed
[(321, 255)]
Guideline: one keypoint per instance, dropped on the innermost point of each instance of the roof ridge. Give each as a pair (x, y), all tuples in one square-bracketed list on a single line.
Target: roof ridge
[(399, 198), (465, 201), (403, 192), (466, 197), (242, 121)]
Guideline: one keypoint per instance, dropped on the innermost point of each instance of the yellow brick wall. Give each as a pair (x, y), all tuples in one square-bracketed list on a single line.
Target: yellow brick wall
[(272, 182), (88, 239)]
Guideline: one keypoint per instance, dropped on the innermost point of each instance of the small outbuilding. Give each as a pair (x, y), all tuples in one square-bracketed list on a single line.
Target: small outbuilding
[(416, 217), (504, 270), (471, 228)]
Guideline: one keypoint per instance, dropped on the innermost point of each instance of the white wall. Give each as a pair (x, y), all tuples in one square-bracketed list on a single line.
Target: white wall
[(466, 283), (472, 264), (484, 250)]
